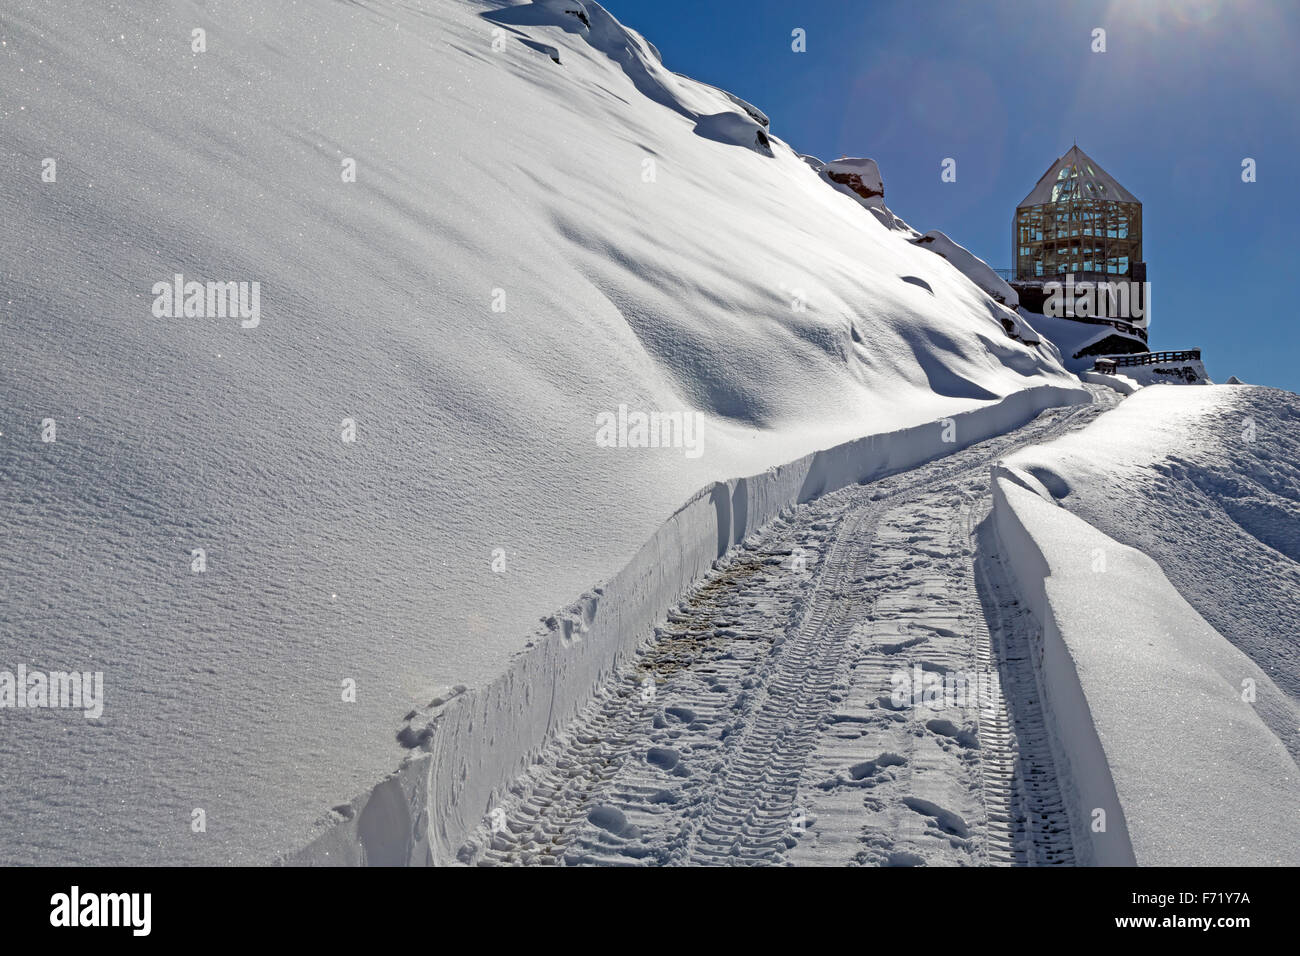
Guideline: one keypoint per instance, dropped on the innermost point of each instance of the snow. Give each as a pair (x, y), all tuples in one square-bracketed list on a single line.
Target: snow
[(783, 657), (859, 175), (1072, 337), (474, 749), (1157, 548), (1123, 384), (638, 248), (738, 129), (859, 179), (1223, 460), (971, 266), (1187, 372), (1134, 377)]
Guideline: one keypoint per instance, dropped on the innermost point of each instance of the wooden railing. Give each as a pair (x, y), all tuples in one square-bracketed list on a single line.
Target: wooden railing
[(1112, 362)]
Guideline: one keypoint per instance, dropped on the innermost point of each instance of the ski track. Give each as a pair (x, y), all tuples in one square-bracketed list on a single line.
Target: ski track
[(756, 726)]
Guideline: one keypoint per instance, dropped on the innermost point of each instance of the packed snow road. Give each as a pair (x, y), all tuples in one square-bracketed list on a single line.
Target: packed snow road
[(852, 686)]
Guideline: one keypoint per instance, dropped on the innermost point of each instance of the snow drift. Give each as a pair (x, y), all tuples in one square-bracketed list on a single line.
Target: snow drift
[(474, 228), (1168, 634), (971, 266), (1165, 763), (1182, 372), (1123, 384), (1081, 343), (475, 744), (1207, 482)]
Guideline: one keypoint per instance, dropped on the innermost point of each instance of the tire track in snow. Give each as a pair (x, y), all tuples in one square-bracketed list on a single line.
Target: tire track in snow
[(898, 784), (754, 809), (1028, 821), (716, 760)]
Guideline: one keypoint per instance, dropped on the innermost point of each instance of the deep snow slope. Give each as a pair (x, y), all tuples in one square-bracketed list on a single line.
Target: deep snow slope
[(527, 245), (1205, 480)]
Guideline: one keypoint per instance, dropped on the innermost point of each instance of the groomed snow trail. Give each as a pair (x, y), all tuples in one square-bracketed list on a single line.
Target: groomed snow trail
[(759, 726)]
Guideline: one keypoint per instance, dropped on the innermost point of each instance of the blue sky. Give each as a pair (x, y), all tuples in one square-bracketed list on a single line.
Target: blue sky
[(1184, 92)]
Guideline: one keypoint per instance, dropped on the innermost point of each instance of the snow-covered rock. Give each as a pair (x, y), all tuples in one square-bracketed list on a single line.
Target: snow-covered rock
[(860, 176), (860, 180), (971, 266)]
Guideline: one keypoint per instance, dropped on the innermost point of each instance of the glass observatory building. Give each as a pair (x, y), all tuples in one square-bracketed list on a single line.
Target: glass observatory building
[(1078, 219)]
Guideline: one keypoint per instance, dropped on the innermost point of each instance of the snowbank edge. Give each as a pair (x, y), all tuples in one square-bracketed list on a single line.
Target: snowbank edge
[(477, 741), (1143, 700)]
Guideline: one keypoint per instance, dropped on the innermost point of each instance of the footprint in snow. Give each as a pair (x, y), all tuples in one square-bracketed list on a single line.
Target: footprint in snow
[(946, 728), (612, 820), (944, 819)]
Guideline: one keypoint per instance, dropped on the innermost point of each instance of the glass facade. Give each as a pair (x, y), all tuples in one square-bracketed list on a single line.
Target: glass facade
[(1078, 228)]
